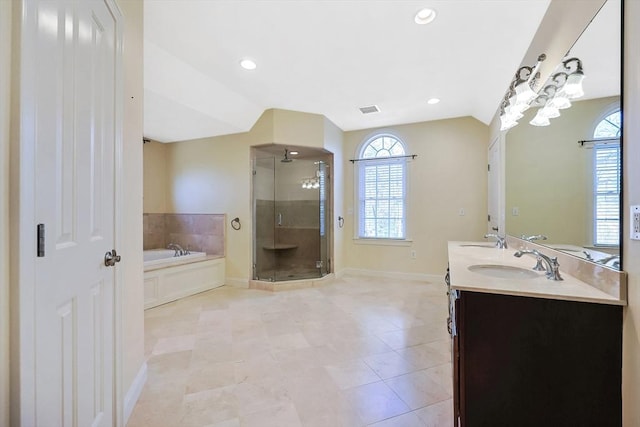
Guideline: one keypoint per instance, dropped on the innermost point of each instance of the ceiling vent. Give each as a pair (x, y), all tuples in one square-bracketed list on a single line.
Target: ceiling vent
[(370, 109)]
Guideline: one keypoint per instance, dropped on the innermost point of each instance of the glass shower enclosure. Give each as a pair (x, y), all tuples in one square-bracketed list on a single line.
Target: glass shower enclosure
[(290, 211)]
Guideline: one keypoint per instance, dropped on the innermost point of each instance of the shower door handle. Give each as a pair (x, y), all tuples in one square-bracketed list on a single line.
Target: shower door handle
[(280, 219)]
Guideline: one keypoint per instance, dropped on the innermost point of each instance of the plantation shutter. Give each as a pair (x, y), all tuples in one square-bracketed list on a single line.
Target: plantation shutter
[(381, 194), (607, 194)]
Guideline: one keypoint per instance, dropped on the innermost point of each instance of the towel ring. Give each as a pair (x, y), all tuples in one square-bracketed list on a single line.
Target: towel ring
[(235, 223), (340, 222)]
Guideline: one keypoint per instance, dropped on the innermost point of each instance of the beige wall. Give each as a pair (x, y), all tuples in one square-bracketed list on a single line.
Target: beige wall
[(155, 177), (131, 247), (212, 175), (549, 177), (298, 128), (449, 174), (631, 196), (5, 90)]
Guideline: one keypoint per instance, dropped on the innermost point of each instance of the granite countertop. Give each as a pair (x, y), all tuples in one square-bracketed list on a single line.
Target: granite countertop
[(465, 254)]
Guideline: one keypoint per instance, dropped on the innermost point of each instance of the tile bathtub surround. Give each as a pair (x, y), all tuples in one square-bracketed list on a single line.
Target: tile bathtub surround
[(199, 232), (356, 352)]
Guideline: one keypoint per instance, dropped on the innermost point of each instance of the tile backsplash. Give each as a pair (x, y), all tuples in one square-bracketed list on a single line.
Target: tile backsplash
[(198, 232)]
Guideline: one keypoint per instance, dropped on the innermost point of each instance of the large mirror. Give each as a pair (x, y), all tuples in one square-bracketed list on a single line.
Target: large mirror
[(562, 188)]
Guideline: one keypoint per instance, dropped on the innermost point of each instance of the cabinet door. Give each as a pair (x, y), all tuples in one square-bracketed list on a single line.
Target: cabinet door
[(533, 362)]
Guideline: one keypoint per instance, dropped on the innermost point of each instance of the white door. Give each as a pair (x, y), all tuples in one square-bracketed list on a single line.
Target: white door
[(73, 47), (495, 190)]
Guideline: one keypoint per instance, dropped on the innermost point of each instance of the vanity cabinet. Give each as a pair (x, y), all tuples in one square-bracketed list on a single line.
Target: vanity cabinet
[(526, 361)]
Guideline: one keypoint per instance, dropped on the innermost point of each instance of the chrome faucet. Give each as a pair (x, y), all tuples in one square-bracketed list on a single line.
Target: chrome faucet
[(553, 267), (177, 248), (587, 255), (608, 259), (501, 242), (534, 237)]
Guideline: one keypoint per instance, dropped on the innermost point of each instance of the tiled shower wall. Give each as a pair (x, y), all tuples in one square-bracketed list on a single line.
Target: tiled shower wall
[(300, 228), (198, 232)]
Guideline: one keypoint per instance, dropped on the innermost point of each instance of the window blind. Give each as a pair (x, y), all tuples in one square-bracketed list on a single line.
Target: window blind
[(606, 194), (381, 194)]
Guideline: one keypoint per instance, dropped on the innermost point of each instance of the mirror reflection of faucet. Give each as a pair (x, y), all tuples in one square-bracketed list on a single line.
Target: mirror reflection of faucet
[(534, 237), (501, 242), (606, 260)]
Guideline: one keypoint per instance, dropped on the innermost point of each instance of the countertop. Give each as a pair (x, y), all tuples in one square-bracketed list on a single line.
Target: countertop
[(571, 289)]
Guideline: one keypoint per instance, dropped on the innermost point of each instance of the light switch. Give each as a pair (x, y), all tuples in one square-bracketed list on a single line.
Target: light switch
[(515, 211)]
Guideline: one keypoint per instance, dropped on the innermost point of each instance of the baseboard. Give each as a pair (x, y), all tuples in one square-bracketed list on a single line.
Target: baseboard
[(431, 278), (237, 282), (134, 392)]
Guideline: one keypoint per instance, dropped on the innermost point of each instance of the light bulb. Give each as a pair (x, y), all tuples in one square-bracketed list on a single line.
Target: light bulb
[(573, 87), (540, 120)]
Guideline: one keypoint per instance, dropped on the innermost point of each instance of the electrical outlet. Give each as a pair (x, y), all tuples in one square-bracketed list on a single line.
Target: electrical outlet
[(635, 222), (515, 211)]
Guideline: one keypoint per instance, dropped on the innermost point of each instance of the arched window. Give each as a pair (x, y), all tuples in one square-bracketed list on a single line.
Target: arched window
[(382, 188), (606, 180)]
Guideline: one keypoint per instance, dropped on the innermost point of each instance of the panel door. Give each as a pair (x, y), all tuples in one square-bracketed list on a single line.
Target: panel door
[(74, 46)]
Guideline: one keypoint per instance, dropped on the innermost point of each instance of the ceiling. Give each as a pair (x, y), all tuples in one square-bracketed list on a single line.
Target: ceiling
[(327, 57)]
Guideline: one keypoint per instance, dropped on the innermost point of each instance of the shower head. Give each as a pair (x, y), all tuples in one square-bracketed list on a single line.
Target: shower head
[(286, 157)]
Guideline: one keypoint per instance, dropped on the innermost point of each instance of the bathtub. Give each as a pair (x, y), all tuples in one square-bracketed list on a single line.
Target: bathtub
[(169, 278), (166, 257)]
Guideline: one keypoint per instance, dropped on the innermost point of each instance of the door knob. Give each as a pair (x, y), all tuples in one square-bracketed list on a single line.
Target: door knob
[(110, 258)]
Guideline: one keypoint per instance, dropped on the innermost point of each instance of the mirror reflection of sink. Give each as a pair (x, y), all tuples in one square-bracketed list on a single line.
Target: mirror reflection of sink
[(479, 245), (503, 271)]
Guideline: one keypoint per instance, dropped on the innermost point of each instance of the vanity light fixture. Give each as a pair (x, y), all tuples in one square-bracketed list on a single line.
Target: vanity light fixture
[(425, 16), (294, 153), (563, 86), (248, 64), (433, 101), (313, 182), (519, 95)]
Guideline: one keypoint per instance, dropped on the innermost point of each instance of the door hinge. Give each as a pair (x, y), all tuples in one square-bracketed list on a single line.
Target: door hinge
[(489, 167), (40, 240), (253, 172), (489, 218)]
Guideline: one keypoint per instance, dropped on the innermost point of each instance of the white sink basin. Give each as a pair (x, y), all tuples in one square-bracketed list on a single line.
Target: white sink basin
[(503, 271)]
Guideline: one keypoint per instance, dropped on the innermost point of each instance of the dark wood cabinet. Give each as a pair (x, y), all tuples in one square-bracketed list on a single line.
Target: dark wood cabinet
[(521, 361)]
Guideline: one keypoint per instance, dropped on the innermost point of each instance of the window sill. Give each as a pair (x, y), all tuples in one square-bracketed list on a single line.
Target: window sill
[(383, 242)]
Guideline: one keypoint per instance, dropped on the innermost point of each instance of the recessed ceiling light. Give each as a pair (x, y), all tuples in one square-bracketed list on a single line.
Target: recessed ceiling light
[(248, 64), (433, 101), (293, 153), (425, 16)]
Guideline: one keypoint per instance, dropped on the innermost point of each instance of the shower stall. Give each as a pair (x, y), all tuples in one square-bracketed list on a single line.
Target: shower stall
[(291, 204)]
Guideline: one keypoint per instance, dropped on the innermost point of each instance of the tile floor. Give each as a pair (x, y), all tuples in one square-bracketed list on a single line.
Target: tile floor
[(355, 352)]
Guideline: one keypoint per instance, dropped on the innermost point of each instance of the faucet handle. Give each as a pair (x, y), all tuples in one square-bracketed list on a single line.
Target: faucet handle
[(555, 269)]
